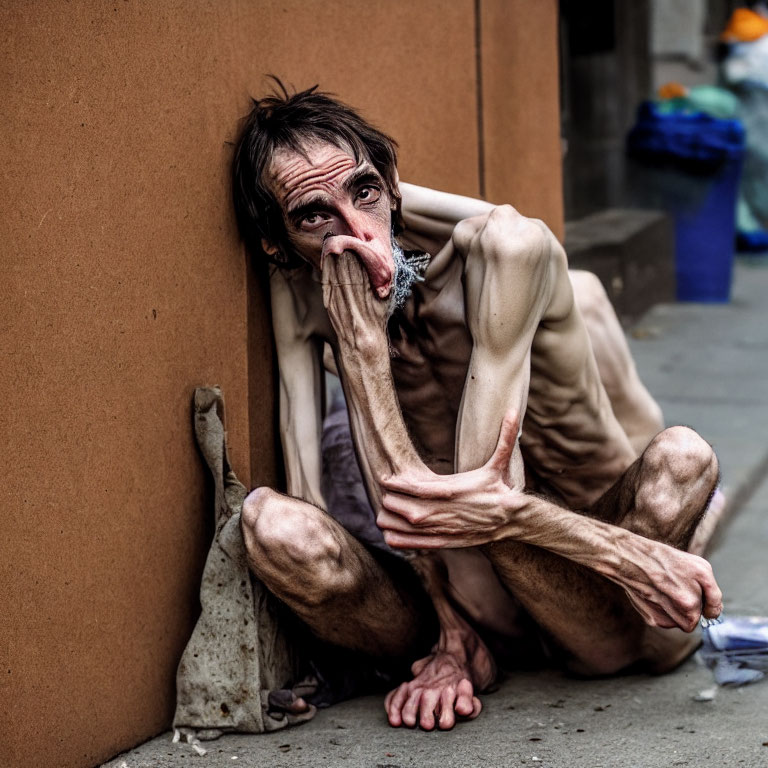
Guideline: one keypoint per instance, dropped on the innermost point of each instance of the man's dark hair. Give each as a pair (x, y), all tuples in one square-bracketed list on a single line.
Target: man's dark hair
[(280, 120)]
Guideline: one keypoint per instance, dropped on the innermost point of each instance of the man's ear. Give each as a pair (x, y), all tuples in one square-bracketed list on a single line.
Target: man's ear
[(393, 203), (268, 247)]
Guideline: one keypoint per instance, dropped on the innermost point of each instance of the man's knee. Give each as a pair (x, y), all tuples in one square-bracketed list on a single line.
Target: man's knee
[(678, 473), (286, 530), (683, 454), (258, 501), (590, 296)]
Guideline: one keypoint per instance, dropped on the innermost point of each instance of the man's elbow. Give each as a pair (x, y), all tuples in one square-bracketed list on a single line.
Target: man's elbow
[(504, 237)]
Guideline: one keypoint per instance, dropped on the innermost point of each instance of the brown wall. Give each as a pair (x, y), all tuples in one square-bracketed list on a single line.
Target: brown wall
[(521, 117), (124, 286)]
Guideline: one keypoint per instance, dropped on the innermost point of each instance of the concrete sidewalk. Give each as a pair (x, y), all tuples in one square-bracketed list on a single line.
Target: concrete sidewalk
[(708, 367)]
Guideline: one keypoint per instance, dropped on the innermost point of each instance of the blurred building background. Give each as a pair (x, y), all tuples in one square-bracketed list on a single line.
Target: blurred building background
[(613, 55)]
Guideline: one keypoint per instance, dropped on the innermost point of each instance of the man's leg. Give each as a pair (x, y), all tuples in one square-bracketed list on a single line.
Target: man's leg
[(662, 496), (328, 579), (637, 412)]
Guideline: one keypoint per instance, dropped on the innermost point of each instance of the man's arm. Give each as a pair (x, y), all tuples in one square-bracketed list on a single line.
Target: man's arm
[(460, 663), (526, 331), (667, 586), (301, 386), (521, 314), (430, 216)]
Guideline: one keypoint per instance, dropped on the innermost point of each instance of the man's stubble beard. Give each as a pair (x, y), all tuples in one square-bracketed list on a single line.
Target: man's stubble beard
[(402, 282)]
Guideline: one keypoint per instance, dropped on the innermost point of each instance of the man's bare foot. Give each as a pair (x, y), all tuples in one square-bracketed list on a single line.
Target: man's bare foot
[(443, 687), (439, 692)]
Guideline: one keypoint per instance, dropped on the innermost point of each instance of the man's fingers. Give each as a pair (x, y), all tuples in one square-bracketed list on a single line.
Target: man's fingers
[(510, 426), (343, 249), (389, 521), (654, 615), (368, 264), (402, 484), (398, 540), (330, 268), (713, 599), (426, 486), (640, 606), (405, 507)]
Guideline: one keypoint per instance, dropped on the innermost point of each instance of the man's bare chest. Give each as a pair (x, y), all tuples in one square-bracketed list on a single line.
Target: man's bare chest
[(430, 350)]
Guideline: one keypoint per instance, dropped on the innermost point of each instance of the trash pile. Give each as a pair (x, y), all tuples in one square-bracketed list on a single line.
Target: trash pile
[(742, 95), (688, 163)]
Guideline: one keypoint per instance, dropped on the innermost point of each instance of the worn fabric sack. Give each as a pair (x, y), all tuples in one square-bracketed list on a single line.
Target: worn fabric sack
[(239, 664)]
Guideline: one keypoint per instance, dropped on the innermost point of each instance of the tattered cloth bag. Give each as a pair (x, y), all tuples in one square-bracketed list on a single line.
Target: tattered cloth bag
[(237, 669)]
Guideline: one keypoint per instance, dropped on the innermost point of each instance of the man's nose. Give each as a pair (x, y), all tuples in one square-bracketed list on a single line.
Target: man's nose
[(356, 223)]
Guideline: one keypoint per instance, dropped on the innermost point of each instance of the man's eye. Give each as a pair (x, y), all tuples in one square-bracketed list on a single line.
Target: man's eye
[(312, 220), (369, 194)]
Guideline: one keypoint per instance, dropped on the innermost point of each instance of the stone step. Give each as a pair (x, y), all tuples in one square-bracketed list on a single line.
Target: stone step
[(631, 251)]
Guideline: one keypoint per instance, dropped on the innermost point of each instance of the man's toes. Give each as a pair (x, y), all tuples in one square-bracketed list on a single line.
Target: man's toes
[(447, 714), (393, 704), (394, 716), (464, 699), (427, 707), (411, 708)]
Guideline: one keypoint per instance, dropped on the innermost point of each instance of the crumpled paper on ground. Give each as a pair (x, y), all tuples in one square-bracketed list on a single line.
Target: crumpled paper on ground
[(736, 649)]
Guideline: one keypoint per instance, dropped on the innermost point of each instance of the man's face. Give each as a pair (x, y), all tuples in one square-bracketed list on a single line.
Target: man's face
[(330, 203)]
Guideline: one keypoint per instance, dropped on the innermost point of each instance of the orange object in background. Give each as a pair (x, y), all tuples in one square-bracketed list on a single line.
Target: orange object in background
[(744, 26), (673, 91)]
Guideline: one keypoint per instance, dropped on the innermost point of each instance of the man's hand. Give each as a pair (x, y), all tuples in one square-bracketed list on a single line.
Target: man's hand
[(425, 510), (357, 315), (374, 255), (443, 685), (668, 587)]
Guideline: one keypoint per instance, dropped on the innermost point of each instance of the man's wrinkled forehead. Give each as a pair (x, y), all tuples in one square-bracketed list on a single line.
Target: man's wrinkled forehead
[(319, 168)]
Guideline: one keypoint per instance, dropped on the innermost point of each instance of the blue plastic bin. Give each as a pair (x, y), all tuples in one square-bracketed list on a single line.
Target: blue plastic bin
[(694, 164)]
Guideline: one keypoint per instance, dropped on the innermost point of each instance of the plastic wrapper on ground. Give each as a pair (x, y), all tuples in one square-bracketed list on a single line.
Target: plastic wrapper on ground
[(736, 649)]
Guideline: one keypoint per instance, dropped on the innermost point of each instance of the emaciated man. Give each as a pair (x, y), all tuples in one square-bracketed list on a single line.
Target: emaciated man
[(486, 438)]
